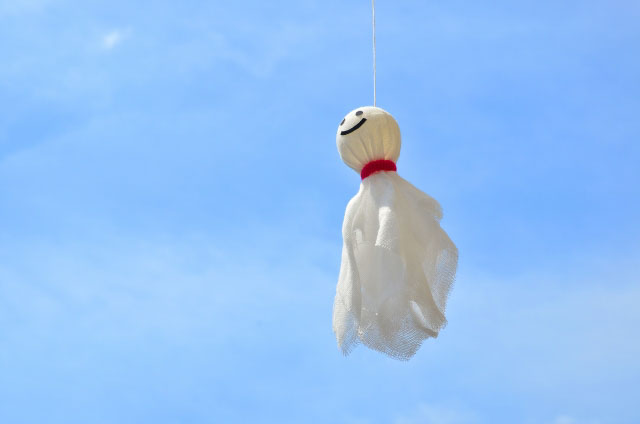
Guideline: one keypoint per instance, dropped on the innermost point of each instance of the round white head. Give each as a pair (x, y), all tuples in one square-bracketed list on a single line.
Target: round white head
[(366, 134)]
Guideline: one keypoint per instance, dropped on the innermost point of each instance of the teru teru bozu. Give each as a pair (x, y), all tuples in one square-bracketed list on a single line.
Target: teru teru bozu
[(398, 265)]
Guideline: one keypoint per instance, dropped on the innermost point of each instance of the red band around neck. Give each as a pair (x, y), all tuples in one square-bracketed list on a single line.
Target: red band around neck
[(377, 166)]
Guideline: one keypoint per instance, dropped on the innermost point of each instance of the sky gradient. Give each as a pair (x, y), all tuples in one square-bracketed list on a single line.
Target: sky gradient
[(171, 201)]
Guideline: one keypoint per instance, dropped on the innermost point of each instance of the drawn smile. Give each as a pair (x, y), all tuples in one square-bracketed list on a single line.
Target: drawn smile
[(355, 127)]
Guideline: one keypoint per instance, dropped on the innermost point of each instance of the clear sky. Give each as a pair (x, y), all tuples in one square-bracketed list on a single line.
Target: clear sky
[(171, 200)]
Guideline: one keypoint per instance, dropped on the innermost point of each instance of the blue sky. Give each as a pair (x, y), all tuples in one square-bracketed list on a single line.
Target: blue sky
[(171, 200)]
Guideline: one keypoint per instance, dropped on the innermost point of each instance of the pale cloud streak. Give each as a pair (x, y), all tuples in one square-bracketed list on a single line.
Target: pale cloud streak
[(114, 37)]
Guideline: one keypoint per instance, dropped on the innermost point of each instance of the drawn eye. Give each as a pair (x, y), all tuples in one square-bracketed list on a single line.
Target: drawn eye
[(343, 121), (358, 113)]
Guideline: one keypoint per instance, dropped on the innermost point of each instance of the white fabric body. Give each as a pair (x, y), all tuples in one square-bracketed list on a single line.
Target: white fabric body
[(398, 265)]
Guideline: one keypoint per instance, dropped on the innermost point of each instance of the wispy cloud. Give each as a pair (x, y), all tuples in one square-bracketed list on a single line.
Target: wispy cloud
[(114, 37)]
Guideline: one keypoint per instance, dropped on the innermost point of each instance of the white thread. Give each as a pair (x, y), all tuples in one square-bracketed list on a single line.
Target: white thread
[(373, 25)]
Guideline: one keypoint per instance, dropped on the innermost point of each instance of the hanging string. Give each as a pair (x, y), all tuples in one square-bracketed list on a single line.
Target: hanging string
[(373, 25)]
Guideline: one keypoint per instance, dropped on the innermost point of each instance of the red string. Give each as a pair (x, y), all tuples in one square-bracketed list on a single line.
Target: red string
[(377, 166)]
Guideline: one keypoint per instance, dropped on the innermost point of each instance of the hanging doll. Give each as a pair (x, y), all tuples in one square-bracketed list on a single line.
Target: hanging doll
[(398, 265)]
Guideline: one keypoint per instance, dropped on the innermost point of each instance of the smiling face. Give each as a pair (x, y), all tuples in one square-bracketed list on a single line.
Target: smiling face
[(355, 127), (365, 134)]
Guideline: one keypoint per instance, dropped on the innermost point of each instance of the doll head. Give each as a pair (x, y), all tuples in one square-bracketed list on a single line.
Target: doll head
[(366, 134)]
